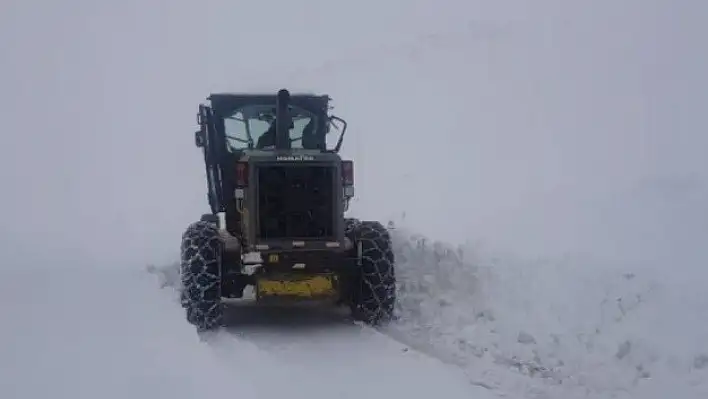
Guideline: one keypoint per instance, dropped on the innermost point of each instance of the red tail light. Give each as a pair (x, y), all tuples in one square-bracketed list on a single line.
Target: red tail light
[(348, 173), (242, 174)]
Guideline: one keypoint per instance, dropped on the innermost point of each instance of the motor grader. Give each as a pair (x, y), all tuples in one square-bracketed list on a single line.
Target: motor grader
[(278, 192)]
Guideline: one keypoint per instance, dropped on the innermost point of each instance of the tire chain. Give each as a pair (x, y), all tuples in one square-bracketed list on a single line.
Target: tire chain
[(201, 252), (377, 270)]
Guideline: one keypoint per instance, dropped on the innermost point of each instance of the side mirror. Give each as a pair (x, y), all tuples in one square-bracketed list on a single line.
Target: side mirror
[(199, 138), (342, 130)]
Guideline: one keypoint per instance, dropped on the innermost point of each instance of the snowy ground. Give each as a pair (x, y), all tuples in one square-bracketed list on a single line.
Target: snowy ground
[(573, 327), (99, 333), (569, 328)]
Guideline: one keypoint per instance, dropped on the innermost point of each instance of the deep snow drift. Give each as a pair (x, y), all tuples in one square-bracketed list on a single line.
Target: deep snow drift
[(574, 327)]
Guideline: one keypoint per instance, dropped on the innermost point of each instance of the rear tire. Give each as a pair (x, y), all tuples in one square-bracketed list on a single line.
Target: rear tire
[(200, 272), (373, 287)]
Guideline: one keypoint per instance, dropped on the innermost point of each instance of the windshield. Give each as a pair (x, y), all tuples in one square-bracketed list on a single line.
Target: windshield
[(247, 127)]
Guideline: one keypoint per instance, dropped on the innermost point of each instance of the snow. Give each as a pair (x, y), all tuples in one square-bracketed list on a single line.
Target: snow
[(88, 333), (549, 195), (567, 328), (564, 328)]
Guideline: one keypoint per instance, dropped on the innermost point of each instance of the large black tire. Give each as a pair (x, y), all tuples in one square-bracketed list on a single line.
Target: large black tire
[(200, 272), (373, 286)]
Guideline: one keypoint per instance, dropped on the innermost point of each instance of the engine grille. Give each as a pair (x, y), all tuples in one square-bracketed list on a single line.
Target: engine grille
[(296, 202)]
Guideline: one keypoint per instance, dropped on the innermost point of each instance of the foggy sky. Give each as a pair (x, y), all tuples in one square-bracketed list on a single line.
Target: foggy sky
[(538, 127)]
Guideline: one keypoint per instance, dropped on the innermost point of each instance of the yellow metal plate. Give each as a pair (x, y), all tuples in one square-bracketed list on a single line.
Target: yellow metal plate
[(273, 258), (302, 286)]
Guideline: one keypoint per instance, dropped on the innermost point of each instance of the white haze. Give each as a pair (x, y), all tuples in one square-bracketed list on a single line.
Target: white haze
[(534, 127), (566, 139)]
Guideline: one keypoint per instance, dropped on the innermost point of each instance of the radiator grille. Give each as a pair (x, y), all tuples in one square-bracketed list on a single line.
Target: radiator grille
[(296, 202)]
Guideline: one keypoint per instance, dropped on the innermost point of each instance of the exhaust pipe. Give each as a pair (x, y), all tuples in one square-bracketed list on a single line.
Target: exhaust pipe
[(283, 120)]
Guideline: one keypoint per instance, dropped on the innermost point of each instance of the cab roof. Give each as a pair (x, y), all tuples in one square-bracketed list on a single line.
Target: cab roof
[(226, 103)]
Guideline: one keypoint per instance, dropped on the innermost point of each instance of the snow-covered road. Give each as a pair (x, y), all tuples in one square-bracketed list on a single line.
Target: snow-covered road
[(99, 333)]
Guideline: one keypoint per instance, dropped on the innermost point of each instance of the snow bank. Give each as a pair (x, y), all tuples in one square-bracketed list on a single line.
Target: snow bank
[(574, 327)]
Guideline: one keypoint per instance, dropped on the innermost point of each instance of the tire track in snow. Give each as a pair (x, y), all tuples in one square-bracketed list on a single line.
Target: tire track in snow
[(318, 348), (363, 360)]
